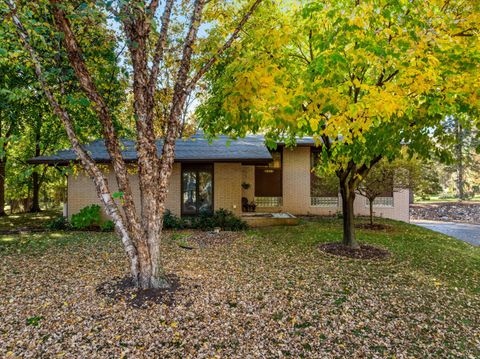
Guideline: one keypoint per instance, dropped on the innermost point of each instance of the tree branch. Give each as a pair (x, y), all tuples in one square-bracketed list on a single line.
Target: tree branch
[(381, 81), (161, 44), (363, 171), (178, 99), (225, 47), (101, 184), (86, 82), (465, 33), (152, 7)]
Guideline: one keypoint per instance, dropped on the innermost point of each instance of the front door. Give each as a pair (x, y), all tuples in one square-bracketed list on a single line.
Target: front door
[(197, 189), (268, 179)]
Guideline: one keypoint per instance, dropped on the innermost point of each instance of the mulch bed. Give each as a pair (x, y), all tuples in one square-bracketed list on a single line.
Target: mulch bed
[(123, 290), (364, 252), (466, 212)]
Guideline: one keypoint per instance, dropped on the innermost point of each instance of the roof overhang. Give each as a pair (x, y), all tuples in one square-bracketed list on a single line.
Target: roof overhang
[(243, 161)]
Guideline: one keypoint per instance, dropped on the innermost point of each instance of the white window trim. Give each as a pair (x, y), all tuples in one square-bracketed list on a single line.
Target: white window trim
[(266, 202)]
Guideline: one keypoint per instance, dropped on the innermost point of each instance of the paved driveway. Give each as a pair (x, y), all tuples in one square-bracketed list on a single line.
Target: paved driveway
[(466, 232)]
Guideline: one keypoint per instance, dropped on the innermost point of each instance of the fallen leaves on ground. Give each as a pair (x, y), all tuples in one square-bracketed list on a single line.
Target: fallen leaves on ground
[(364, 252), (270, 294)]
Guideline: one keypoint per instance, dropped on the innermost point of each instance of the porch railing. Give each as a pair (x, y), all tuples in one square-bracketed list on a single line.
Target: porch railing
[(385, 202), (268, 201), (324, 201)]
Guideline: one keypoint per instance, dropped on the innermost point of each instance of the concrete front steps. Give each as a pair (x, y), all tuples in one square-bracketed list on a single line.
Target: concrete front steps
[(255, 219)]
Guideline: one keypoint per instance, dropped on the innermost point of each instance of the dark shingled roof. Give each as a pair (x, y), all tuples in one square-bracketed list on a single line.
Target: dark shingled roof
[(250, 149)]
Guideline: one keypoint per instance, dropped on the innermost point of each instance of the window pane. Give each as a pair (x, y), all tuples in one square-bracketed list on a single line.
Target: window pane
[(205, 191), (189, 196)]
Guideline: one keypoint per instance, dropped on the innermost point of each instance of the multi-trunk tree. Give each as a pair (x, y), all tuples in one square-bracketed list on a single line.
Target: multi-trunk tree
[(152, 47), (361, 77)]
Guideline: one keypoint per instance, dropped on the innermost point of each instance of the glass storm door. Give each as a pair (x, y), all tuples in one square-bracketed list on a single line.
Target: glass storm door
[(197, 189)]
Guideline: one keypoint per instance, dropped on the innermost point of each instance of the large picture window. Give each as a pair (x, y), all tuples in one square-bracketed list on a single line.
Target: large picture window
[(197, 189)]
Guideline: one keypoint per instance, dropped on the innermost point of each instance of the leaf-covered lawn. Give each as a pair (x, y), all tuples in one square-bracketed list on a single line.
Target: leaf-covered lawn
[(27, 221), (270, 293)]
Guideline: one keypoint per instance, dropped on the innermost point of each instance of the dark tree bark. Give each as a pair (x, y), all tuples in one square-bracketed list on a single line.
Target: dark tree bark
[(348, 199), (35, 208), (2, 185), (349, 179), (460, 165)]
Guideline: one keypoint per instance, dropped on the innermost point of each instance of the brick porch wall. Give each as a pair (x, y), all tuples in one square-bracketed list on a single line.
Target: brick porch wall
[(227, 186), (227, 189)]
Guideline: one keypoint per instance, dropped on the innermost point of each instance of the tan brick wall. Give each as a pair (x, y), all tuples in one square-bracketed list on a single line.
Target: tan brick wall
[(174, 190), (81, 191), (296, 191), (227, 186), (400, 210), (228, 192), (296, 183)]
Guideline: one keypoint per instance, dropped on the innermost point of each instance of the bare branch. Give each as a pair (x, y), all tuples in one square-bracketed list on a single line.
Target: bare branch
[(161, 43), (381, 80), (178, 100), (85, 79), (225, 47), (466, 33), (152, 8)]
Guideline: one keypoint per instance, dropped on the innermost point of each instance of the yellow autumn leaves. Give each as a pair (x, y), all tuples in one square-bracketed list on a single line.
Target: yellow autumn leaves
[(344, 72)]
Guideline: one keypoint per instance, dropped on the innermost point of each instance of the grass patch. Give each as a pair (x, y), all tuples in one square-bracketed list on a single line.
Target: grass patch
[(422, 252), (438, 199), (28, 220)]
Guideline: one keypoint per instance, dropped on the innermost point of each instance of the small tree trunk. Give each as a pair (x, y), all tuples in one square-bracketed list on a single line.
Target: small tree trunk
[(35, 177), (460, 168), (370, 203), (36, 193), (348, 198), (2, 186)]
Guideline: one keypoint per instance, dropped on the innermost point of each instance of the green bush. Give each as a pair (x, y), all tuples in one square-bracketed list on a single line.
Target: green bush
[(59, 224), (205, 221), (171, 221), (107, 226), (227, 221), (221, 218), (87, 218)]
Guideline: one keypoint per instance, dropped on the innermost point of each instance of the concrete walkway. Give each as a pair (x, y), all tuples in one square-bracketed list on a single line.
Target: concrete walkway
[(466, 232)]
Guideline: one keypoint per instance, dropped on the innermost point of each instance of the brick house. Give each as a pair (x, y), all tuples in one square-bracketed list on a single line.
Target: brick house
[(218, 174)]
